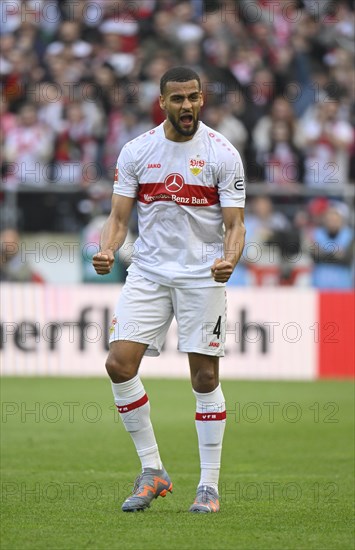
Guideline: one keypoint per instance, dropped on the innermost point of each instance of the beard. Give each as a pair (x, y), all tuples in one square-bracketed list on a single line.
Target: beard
[(181, 130)]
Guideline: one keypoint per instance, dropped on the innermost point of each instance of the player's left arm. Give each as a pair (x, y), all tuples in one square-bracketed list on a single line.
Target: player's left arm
[(231, 189), (234, 238)]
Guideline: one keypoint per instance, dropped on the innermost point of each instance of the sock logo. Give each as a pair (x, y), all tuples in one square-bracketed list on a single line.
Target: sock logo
[(211, 416), (131, 406)]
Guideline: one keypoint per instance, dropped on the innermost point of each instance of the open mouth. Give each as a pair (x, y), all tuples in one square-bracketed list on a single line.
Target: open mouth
[(186, 119)]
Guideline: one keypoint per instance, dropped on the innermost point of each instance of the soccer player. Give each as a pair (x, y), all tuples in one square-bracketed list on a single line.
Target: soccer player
[(188, 183)]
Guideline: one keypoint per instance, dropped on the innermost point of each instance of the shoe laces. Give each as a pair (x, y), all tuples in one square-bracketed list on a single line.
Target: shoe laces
[(136, 484), (205, 493)]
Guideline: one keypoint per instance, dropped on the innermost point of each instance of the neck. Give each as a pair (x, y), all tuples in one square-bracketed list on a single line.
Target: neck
[(173, 135)]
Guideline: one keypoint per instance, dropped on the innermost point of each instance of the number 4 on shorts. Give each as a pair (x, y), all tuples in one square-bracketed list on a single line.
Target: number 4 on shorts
[(217, 328)]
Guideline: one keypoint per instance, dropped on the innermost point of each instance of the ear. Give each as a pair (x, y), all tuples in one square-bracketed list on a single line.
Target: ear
[(202, 101), (162, 102)]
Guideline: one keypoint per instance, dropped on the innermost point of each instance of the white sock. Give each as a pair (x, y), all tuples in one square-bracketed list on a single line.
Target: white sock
[(210, 424), (134, 409)]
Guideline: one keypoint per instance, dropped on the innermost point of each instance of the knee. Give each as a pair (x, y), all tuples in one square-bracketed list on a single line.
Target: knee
[(205, 380), (120, 370)]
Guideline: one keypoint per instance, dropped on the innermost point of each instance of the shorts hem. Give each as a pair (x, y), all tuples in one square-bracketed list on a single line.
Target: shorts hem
[(153, 352), (212, 353)]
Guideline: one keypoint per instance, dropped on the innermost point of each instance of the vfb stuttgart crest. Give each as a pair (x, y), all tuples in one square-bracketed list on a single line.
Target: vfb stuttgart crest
[(196, 164), (174, 182)]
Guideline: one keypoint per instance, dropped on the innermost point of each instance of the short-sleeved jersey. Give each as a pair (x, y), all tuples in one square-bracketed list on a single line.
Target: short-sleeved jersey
[(180, 188)]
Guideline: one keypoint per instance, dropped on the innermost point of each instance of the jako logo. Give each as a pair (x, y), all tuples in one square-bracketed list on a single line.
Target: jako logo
[(154, 165)]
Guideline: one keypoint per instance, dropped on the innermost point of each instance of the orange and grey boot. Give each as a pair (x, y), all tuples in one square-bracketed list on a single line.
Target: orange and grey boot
[(206, 501), (150, 484)]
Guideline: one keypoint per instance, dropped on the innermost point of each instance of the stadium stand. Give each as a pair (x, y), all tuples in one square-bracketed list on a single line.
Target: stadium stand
[(80, 79)]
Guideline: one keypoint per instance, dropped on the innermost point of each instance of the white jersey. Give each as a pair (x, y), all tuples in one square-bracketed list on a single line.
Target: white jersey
[(180, 188)]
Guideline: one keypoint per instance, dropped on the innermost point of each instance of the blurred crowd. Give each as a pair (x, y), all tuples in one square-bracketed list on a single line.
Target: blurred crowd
[(81, 78)]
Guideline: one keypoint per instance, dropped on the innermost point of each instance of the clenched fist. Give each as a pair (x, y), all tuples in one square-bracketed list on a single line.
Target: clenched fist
[(103, 262), (221, 270)]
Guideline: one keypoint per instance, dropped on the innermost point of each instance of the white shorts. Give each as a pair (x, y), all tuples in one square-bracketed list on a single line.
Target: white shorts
[(145, 310)]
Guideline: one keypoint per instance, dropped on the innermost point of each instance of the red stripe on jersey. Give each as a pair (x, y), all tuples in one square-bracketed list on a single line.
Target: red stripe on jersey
[(131, 406), (193, 195), (205, 417)]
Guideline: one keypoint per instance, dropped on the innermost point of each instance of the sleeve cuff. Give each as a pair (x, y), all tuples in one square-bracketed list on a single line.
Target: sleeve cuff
[(236, 203), (124, 192)]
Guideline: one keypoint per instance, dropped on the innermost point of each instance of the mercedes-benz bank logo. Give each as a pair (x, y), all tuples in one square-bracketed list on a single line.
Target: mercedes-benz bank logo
[(174, 183)]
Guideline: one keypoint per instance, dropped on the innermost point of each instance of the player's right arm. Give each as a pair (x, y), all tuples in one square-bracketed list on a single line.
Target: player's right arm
[(114, 233)]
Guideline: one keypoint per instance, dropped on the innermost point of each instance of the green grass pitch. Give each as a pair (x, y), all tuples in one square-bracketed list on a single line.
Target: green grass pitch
[(67, 465)]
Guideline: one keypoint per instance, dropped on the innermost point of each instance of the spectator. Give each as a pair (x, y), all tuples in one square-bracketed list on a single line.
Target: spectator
[(150, 88), (281, 110), (306, 221), (132, 125), (332, 250), (50, 102), (69, 40), (124, 125), (7, 123), (28, 148), (90, 98), (13, 264), (108, 89), (119, 44), (244, 62), (260, 94), (76, 149), (185, 29), (283, 162), (264, 45), (270, 242), (191, 56), (15, 69), (328, 140), (221, 119), (160, 38)]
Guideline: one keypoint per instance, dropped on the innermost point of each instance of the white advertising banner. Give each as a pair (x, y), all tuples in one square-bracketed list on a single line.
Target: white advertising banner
[(51, 330)]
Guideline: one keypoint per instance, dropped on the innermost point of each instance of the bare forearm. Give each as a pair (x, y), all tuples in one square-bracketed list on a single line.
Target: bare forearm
[(113, 234), (234, 240)]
